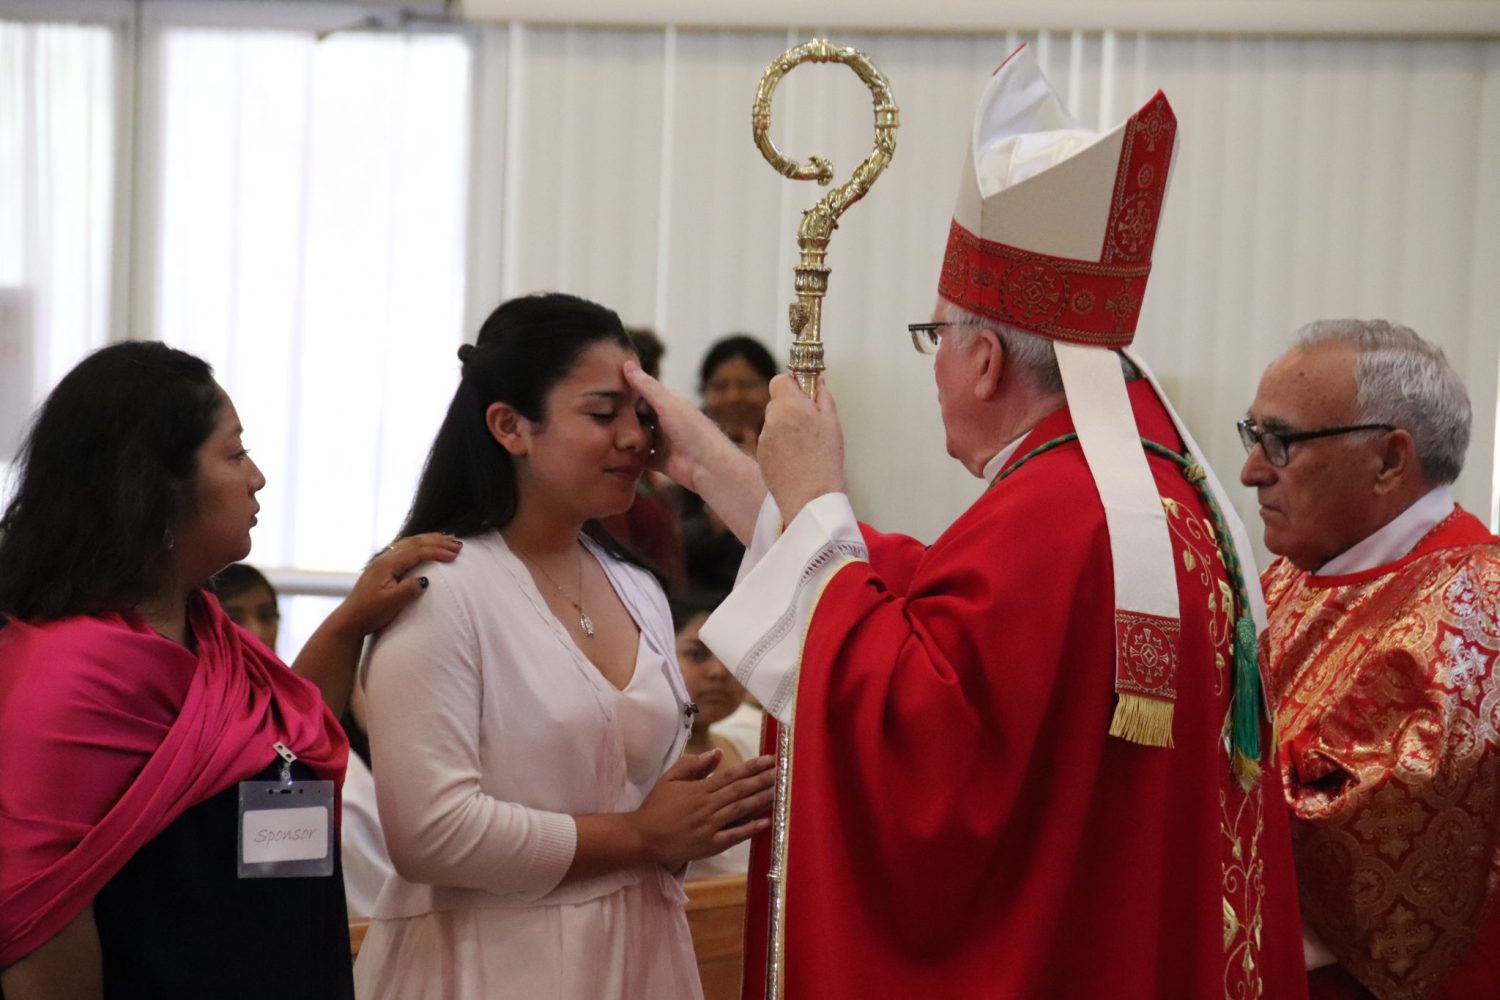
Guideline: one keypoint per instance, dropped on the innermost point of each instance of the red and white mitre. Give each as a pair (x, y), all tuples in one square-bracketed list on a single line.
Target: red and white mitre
[(1054, 225), (1052, 235)]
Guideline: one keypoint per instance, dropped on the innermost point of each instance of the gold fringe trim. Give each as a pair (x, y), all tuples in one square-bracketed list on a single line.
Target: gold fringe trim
[(1147, 721)]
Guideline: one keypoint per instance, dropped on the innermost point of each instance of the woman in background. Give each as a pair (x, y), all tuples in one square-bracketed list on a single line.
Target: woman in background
[(650, 526), (735, 381), (527, 718), (249, 600), (131, 708)]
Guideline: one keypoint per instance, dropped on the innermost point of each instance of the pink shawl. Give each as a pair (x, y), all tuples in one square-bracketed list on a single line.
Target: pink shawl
[(109, 732)]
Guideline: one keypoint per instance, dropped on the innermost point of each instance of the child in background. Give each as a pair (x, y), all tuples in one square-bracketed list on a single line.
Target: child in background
[(249, 600), (710, 684), (717, 695)]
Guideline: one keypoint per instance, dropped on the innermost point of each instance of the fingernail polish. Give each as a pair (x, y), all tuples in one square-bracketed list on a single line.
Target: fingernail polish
[(422, 582)]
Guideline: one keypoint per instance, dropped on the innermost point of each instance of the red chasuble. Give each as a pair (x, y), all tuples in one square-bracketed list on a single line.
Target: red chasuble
[(109, 732), (1388, 709), (962, 823)]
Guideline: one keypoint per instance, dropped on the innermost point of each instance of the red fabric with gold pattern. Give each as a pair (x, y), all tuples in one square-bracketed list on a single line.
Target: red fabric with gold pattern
[(1147, 647), (1055, 297), (1140, 183), (961, 823), (1092, 302), (1388, 708)]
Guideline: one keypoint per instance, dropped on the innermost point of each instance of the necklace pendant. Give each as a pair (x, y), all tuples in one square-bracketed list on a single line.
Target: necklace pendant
[(586, 623)]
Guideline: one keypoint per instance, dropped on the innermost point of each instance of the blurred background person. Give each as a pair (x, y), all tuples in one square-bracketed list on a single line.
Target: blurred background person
[(713, 689), (648, 347), (734, 380), (249, 600), (651, 527), (367, 863), (716, 696)]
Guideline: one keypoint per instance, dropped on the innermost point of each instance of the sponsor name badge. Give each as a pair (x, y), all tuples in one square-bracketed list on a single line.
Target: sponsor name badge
[(286, 829)]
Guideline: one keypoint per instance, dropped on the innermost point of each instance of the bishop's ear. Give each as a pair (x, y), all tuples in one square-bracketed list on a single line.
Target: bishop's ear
[(507, 426), (988, 359)]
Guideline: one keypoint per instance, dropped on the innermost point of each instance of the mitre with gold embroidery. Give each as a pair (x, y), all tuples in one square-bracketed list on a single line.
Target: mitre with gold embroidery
[(1052, 235)]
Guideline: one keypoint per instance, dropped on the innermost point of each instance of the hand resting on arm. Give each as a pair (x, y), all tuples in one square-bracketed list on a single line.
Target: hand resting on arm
[(331, 653)]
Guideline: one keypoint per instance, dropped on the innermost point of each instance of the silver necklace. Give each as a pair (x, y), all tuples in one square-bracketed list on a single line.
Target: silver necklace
[(584, 621)]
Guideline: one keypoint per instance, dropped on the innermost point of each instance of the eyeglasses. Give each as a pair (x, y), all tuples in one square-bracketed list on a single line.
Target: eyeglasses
[(1275, 443), (925, 337)]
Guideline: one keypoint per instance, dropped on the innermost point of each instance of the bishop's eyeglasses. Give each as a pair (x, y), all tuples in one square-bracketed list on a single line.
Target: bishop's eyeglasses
[(1275, 443), (925, 337)]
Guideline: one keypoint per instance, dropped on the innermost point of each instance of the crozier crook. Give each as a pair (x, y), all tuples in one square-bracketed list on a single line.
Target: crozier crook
[(819, 222)]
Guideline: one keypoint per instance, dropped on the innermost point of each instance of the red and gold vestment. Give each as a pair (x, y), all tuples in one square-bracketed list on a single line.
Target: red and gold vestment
[(1388, 715), (962, 824)]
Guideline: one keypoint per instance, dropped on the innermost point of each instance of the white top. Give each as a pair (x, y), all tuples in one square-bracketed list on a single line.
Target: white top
[(649, 719), (491, 730), (1395, 539), (367, 866), (733, 861), (742, 728)]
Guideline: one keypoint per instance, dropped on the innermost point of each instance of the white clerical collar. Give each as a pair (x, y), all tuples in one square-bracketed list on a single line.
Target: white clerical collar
[(1394, 540), (993, 466)]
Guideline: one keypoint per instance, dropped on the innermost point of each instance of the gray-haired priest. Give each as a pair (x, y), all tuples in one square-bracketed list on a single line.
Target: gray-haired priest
[(1383, 650), (1027, 756)]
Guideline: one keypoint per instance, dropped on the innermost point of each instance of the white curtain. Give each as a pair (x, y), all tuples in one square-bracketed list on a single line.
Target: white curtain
[(308, 210), (1315, 178), (57, 140)]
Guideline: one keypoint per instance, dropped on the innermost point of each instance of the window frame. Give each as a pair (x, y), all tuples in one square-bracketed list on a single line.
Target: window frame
[(137, 27)]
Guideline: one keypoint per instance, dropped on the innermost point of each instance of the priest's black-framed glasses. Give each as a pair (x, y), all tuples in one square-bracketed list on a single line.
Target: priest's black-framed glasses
[(1276, 443)]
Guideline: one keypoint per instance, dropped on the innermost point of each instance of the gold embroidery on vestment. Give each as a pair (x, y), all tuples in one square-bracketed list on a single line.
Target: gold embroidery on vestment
[(1388, 700), (1244, 891), (1200, 553)]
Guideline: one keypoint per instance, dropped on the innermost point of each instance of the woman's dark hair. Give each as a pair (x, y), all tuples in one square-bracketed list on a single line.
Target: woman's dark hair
[(649, 348), (525, 348), (235, 579), (737, 345), (687, 606), (107, 470)]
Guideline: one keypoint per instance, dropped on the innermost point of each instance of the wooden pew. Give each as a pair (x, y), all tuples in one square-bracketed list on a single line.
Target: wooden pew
[(716, 916)]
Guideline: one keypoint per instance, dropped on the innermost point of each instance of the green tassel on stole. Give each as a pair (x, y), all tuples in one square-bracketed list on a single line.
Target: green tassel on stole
[(1244, 735)]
